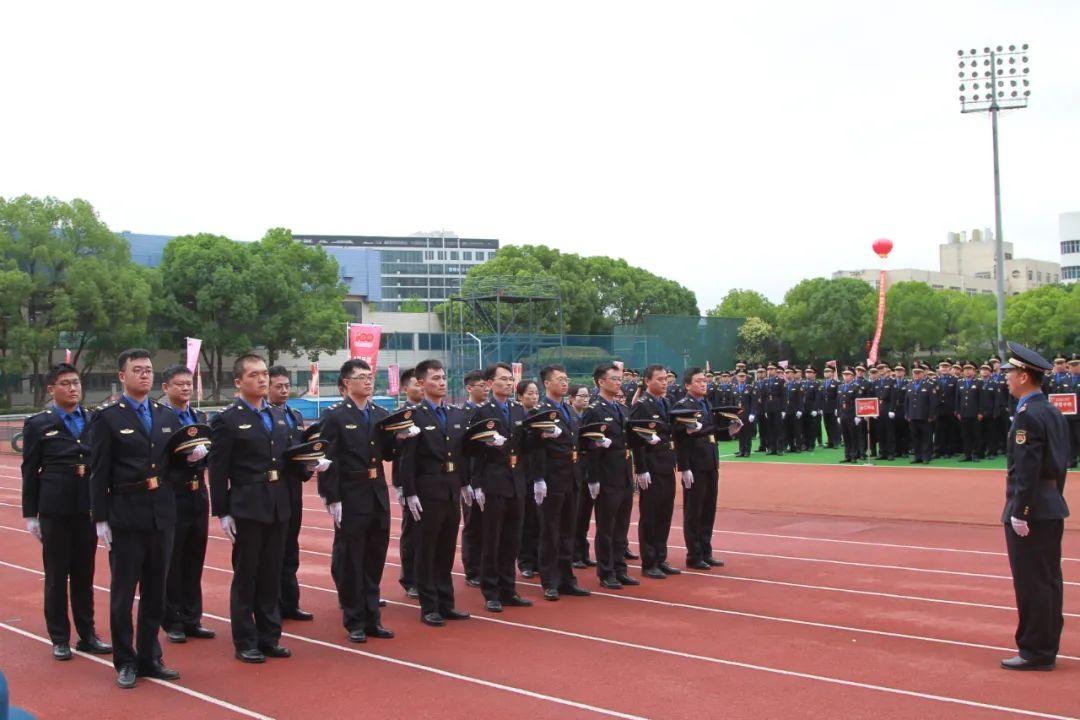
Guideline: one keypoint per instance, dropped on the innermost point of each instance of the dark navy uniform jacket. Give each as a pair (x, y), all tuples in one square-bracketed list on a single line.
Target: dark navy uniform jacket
[(1037, 462)]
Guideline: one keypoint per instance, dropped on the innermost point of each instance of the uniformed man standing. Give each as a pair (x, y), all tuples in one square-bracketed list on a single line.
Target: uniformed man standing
[(989, 399), (947, 429), (849, 422), (813, 404), (699, 472), (1063, 381), (885, 390), (1035, 511), (414, 395), (183, 589), (792, 412), (967, 412), (354, 489), (901, 428), (760, 383), (56, 505), (580, 398), (654, 472), (773, 397), (829, 390), (434, 476), (748, 412), (921, 412), (472, 533), (249, 494), (135, 516)]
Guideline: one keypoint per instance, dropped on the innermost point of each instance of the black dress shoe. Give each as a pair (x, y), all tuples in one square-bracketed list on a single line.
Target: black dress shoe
[(198, 631), (455, 614), (551, 594), (516, 600), (627, 580), (579, 565), (472, 582), (412, 592), (378, 631), (176, 636), (296, 614), (631, 556), (610, 583), (493, 606), (61, 651), (357, 636), (382, 603), (158, 671), (94, 646), (655, 573), (250, 656), (433, 619), (699, 565), (668, 569), (714, 562), (574, 590), (528, 573), (1019, 663), (125, 677), (276, 651)]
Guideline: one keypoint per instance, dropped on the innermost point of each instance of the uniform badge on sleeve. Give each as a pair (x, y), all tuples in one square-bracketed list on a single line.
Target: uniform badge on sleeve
[(1021, 437)]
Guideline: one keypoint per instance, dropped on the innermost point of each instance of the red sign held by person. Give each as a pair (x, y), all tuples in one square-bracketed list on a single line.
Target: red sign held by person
[(866, 407), (1065, 402), (364, 343)]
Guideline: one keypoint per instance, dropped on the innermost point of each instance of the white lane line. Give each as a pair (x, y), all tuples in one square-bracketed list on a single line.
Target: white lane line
[(850, 466), (381, 658), (170, 685)]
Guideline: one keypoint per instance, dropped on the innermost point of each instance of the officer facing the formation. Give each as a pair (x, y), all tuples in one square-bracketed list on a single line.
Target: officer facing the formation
[(184, 473), (135, 516), (354, 489), (697, 459), (967, 412), (249, 494), (1035, 511), (56, 505)]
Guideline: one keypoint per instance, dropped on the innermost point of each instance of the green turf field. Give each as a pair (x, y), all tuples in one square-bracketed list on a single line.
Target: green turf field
[(823, 456)]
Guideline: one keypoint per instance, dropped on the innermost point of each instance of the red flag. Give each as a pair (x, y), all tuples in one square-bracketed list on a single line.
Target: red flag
[(393, 376), (198, 384), (783, 364), (67, 356), (313, 383), (831, 363), (364, 343), (518, 370), (880, 319)]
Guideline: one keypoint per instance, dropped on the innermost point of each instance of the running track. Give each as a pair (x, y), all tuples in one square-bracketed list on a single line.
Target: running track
[(812, 617)]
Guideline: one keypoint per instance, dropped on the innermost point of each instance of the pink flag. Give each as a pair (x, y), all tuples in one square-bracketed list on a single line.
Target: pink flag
[(518, 370), (313, 383), (618, 364), (831, 363), (198, 384), (193, 347), (393, 375), (364, 343), (67, 356), (783, 364)]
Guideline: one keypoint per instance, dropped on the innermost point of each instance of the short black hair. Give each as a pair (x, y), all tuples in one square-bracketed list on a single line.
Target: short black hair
[(689, 373), (131, 354), (406, 376), (279, 371), (57, 370), (243, 360), (490, 370), (347, 369), (173, 370), (523, 387), (473, 376), (603, 369), (652, 370), (425, 366), (548, 370)]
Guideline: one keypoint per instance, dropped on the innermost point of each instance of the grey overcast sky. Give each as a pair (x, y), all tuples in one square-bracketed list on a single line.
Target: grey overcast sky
[(720, 144)]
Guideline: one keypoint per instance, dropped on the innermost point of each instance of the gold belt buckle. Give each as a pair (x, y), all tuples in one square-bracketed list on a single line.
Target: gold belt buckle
[(194, 485), (271, 475), (513, 461), (573, 456), (152, 483), (672, 444), (372, 474), (627, 454), (80, 471), (712, 439), (450, 467)]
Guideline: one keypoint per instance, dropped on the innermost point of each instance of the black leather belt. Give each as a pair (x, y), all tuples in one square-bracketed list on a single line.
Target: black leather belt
[(79, 469), (151, 483), (369, 474)]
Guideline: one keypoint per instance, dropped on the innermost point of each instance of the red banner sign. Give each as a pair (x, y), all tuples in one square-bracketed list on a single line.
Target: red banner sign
[(1065, 402), (313, 382), (518, 370), (393, 376), (364, 343), (880, 318), (866, 407)]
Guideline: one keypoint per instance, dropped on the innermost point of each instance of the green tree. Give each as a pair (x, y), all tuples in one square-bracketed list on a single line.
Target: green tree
[(914, 318), (64, 271), (827, 319), (977, 326), (756, 337), (413, 305), (1034, 318), (746, 304)]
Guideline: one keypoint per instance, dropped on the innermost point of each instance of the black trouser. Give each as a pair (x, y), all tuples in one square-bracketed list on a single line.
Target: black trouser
[(775, 432), (969, 433), (921, 431), (183, 588), (1001, 432), (68, 544), (359, 556), (945, 434), (407, 549), (139, 558), (613, 508), (529, 552), (501, 519), (811, 430), (903, 441), (290, 561), (256, 586), (762, 422), (436, 545), (557, 518), (886, 436), (849, 431), (793, 432), (581, 524), (699, 514), (832, 430), (1074, 438), (1036, 568), (655, 509), (472, 540), (986, 436), (746, 436)]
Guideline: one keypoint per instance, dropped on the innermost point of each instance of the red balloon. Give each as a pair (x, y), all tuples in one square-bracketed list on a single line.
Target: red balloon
[(883, 247)]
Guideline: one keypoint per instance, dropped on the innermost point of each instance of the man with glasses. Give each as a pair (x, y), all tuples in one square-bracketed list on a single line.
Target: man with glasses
[(580, 398), (699, 471), (135, 516), (56, 505)]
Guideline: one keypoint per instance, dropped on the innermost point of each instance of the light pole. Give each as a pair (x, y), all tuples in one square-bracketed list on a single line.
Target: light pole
[(993, 80)]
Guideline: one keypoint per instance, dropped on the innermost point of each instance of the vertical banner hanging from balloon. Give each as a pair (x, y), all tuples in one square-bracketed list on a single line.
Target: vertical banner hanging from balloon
[(393, 376), (67, 356), (364, 343), (313, 383), (882, 247), (194, 345), (518, 370)]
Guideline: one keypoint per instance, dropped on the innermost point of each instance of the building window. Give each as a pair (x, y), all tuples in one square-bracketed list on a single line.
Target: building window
[(954, 287), (467, 255), (396, 341), (1030, 276), (429, 254), (432, 341), (453, 254), (1070, 272), (442, 255), (1069, 247), (983, 275), (1038, 275), (938, 287), (1016, 274)]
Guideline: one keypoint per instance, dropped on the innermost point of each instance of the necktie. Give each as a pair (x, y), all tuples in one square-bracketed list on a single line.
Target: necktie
[(144, 417), (267, 419), (565, 411), (73, 424), (440, 415)]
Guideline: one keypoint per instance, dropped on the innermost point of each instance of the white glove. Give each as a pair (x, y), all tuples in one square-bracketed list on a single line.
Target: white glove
[(334, 509), (750, 417), (643, 480), (33, 526), (228, 526), (539, 491), (478, 495), (496, 440), (858, 420), (406, 434), (467, 495), (594, 490), (798, 414), (413, 503), (400, 496), (1020, 527), (783, 415), (892, 415), (197, 454), (687, 479), (104, 534), (696, 428), (553, 433), (654, 439), (323, 465), (1011, 418), (605, 443), (813, 413)]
